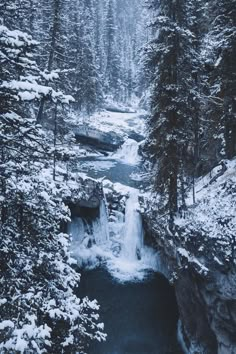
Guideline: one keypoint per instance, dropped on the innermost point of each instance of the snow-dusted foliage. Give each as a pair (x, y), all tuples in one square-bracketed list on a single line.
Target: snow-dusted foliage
[(192, 129), (204, 234), (39, 312), (192, 120), (213, 218), (218, 52), (170, 50), (92, 43)]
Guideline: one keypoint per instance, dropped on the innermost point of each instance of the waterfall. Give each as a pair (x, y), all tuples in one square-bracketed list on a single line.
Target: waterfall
[(100, 226), (128, 153), (97, 230), (77, 231), (116, 242), (133, 230)]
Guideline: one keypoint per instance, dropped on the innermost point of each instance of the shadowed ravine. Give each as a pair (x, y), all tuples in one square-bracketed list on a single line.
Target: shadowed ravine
[(140, 318), (138, 306)]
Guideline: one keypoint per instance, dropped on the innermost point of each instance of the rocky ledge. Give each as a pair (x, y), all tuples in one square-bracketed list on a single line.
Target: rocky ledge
[(198, 256), (83, 193)]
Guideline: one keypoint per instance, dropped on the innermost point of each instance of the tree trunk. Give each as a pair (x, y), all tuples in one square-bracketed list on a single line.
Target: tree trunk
[(55, 143), (53, 42)]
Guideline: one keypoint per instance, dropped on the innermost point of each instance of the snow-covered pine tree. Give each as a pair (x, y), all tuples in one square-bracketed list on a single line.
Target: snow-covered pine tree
[(87, 88), (170, 60), (39, 311), (51, 54), (219, 50), (195, 22), (112, 71), (99, 38), (18, 14)]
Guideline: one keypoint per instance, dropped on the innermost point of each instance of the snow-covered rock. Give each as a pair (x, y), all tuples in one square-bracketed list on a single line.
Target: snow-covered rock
[(109, 141), (198, 256)]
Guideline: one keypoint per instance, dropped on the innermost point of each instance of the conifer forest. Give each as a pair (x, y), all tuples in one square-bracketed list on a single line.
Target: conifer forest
[(117, 177)]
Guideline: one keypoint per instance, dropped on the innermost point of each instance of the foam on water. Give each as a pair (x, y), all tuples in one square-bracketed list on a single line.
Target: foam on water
[(116, 244), (128, 153), (133, 231)]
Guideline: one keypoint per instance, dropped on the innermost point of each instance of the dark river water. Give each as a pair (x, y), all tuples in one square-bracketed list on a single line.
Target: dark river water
[(140, 318), (111, 169)]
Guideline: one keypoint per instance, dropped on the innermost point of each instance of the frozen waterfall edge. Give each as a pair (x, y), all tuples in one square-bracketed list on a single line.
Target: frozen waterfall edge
[(114, 238)]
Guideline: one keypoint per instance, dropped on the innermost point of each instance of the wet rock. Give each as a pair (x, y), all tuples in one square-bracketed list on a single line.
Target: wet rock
[(85, 196), (108, 141), (206, 301)]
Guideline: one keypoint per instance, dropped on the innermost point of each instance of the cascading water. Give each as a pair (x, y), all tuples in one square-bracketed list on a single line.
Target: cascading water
[(134, 260), (77, 230), (116, 243), (117, 240), (128, 152), (89, 238), (139, 316), (133, 230), (100, 226)]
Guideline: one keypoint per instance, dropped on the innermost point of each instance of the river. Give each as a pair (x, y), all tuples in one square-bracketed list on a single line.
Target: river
[(138, 306)]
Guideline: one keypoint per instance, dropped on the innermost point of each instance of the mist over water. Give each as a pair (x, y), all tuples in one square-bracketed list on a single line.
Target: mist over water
[(118, 244)]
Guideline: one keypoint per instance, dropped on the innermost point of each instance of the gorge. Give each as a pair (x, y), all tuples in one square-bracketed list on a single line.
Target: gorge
[(138, 306), (121, 247), (117, 177)]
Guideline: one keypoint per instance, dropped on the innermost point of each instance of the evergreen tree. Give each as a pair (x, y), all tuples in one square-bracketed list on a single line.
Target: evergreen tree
[(18, 14), (87, 84), (112, 73), (220, 49), (170, 111), (39, 310), (53, 45)]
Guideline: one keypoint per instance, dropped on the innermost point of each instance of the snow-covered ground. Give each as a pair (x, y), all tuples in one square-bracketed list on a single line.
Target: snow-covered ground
[(210, 223), (107, 121), (204, 234)]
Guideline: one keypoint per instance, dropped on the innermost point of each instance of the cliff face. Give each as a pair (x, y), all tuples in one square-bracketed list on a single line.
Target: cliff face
[(198, 257), (207, 310)]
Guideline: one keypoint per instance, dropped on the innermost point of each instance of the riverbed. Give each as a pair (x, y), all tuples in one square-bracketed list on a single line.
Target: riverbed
[(138, 305)]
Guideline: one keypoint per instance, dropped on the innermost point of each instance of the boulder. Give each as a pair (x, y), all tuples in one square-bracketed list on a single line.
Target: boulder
[(108, 141)]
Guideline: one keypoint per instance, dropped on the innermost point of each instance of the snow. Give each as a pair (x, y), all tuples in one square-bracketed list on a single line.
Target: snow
[(121, 188), (122, 252), (50, 76), (3, 301), (128, 153), (214, 214), (106, 121), (30, 90), (217, 63), (183, 252), (216, 201), (17, 38), (102, 164), (6, 323), (204, 234)]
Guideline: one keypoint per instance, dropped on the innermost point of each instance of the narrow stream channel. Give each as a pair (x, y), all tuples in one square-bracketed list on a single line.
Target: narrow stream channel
[(138, 306)]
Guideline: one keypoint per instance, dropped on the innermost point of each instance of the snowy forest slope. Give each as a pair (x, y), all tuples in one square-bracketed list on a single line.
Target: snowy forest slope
[(61, 60)]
